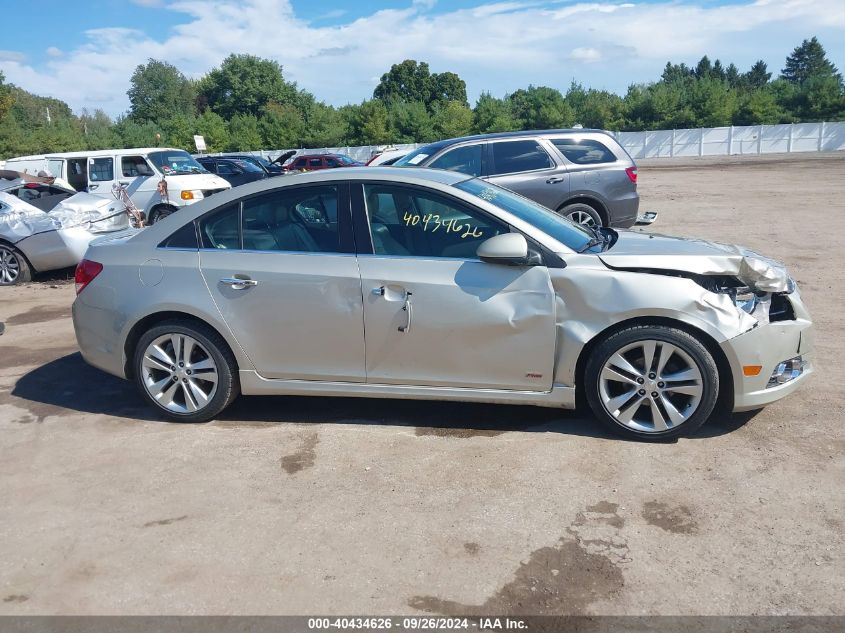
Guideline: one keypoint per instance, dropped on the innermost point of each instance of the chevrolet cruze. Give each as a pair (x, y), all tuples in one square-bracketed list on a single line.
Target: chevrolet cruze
[(422, 283)]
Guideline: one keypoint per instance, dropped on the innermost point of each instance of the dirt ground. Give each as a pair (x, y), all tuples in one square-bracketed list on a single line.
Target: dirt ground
[(340, 506)]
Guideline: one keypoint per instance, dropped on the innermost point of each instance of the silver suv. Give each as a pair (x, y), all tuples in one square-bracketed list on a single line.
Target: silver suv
[(585, 175)]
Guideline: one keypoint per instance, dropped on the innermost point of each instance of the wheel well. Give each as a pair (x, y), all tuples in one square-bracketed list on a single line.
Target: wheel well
[(590, 202), (19, 252), (152, 320), (726, 384), (161, 205)]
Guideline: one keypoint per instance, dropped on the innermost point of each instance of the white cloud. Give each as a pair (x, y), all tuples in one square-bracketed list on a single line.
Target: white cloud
[(52, 51), (496, 47)]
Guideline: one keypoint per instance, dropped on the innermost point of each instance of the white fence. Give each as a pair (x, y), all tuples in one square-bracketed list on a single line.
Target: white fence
[(732, 141), (715, 141)]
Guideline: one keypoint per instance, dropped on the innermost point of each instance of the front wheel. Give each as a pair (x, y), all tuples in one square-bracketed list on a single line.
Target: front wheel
[(651, 382), (186, 371), (159, 213)]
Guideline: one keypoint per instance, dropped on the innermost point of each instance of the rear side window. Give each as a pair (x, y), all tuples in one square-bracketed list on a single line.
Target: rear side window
[(186, 237), (315, 162), (221, 229), (466, 160), (101, 170), (583, 151), (511, 157)]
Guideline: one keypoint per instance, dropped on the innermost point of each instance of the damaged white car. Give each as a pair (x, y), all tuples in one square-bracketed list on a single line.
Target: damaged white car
[(47, 227), (416, 283)]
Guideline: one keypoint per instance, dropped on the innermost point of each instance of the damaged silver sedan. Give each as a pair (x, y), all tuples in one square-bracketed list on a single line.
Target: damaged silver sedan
[(415, 283)]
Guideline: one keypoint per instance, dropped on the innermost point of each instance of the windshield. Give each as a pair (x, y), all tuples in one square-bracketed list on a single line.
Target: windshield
[(176, 161), (248, 166), (414, 158), (346, 160), (572, 235)]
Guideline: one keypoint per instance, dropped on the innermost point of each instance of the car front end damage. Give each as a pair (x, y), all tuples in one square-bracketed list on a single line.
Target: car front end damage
[(768, 335)]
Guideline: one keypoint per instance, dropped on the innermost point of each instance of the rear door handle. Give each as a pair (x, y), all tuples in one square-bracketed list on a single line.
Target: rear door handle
[(237, 283), (555, 179)]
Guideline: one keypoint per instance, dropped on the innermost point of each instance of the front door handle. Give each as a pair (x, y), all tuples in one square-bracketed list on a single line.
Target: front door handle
[(93, 186), (555, 179), (238, 283), (407, 308)]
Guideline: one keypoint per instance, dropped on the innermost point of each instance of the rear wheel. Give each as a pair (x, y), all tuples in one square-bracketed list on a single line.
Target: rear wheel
[(652, 382), (581, 213), (186, 371), (14, 269)]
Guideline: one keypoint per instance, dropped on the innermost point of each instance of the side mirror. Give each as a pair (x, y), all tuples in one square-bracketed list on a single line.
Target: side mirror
[(510, 249)]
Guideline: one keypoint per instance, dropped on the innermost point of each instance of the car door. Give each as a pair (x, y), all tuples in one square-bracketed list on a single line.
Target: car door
[(139, 179), (434, 314), (286, 282), (101, 176), (526, 166)]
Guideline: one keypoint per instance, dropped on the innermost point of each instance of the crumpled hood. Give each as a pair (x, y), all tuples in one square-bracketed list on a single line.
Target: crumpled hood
[(636, 250)]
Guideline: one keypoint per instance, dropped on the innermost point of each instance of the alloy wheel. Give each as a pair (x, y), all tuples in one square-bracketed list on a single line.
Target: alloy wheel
[(582, 217), (179, 373), (10, 267), (650, 386)]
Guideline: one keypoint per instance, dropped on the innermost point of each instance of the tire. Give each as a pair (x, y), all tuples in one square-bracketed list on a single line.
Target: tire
[(14, 269), (581, 213), (156, 371), (159, 213), (671, 398)]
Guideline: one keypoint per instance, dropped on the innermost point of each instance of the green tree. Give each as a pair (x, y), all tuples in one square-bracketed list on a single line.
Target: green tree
[(214, 131), (325, 126), (410, 122), (758, 106), (493, 115), (159, 91), (446, 88), (412, 81), (6, 99), (809, 61), (758, 76), (131, 133), (245, 84), (368, 123), (98, 130), (281, 126), (451, 119), (596, 108), (540, 107), (244, 134)]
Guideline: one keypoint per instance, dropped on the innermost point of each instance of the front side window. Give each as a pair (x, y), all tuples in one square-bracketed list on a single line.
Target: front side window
[(510, 157), (101, 170), (315, 162), (466, 159), (134, 166), (583, 151), (300, 162), (225, 169), (406, 221), (331, 162), (300, 219)]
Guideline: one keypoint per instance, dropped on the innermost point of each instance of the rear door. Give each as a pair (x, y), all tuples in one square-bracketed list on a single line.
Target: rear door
[(285, 279), (435, 315), (527, 167)]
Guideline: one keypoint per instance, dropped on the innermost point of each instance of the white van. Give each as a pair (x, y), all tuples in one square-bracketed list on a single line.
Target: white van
[(140, 170)]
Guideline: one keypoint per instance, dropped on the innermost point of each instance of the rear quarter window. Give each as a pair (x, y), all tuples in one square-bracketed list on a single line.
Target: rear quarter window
[(584, 151), (186, 237)]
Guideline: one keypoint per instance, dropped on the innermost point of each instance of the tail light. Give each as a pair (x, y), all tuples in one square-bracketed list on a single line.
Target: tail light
[(632, 174), (86, 270)]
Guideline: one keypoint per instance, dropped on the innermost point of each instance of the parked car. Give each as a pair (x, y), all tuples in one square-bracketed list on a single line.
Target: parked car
[(233, 170), (313, 162), (387, 157), (271, 167), (34, 240), (41, 193), (140, 170), (585, 175), (470, 292)]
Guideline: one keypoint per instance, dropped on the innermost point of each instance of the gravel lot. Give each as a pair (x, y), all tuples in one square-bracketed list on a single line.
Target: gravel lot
[(340, 506)]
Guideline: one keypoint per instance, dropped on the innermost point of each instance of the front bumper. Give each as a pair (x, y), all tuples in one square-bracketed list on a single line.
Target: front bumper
[(768, 345)]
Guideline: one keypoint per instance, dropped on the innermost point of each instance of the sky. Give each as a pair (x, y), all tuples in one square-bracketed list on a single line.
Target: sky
[(84, 53)]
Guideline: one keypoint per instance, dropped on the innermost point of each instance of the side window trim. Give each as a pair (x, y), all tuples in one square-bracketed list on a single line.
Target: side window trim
[(537, 141)]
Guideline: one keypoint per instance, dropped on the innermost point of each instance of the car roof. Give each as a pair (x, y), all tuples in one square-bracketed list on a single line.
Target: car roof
[(497, 135)]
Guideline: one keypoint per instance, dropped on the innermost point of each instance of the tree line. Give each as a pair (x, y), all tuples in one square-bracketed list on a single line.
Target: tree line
[(247, 104)]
